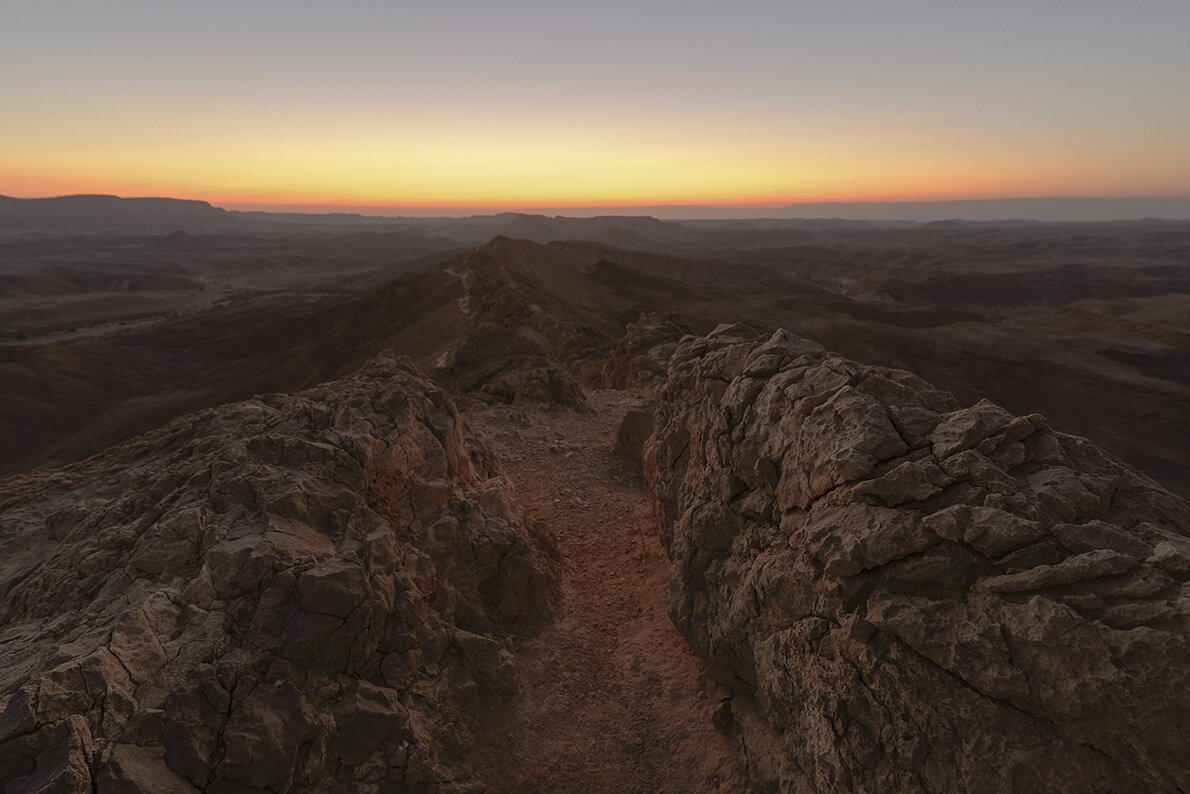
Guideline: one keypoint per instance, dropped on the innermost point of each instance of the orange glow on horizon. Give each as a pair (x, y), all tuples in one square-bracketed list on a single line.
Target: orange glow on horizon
[(563, 105), (465, 159), (319, 202), (511, 176), (749, 186)]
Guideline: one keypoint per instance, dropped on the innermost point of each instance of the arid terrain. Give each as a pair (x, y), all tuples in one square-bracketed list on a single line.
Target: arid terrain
[(519, 503), (105, 336)]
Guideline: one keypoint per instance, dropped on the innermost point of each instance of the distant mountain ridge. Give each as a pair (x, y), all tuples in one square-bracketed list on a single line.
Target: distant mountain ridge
[(106, 214), (111, 214), (1056, 209)]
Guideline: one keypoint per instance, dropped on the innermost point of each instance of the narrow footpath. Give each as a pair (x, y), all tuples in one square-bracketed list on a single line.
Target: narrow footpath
[(611, 697)]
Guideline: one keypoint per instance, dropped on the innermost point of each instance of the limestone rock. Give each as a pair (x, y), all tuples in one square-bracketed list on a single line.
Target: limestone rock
[(284, 594), (917, 596)]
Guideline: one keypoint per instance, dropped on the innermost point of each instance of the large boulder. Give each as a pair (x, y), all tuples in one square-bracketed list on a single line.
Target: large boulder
[(907, 595), (303, 592)]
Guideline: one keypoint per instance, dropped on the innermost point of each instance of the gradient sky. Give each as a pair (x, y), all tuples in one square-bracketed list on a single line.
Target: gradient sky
[(519, 103)]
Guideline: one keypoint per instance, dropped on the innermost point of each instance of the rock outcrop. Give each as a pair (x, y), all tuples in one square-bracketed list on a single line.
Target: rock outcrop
[(633, 433), (303, 592), (640, 358), (526, 326), (907, 595)]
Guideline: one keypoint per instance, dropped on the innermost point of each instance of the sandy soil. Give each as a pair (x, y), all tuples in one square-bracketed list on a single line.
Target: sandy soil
[(611, 697)]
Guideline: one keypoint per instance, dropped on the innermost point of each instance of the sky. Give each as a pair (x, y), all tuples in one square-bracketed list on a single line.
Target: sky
[(514, 104)]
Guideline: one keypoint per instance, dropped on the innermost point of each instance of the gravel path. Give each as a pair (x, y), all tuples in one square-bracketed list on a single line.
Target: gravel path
[(611, 697)]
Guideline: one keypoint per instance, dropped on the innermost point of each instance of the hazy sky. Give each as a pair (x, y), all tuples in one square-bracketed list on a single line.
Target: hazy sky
[(521, 103)]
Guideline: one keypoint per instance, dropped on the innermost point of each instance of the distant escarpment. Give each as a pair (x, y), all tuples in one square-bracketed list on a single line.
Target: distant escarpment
[(92, 214), (907, 595), (303, 592)]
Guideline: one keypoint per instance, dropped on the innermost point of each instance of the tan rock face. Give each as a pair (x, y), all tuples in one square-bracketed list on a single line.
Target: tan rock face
[(912, 596), (296, 592)]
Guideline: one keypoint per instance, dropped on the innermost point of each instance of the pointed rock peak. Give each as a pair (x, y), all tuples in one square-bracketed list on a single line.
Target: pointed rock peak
[(519, 256), (501, 244)]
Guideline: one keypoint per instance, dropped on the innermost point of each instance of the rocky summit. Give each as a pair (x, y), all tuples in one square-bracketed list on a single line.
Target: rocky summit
[(907, 595), (295, 592)]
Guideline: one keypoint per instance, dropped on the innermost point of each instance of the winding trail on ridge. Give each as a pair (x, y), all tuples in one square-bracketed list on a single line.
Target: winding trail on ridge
[(611, 698), (465, 301)]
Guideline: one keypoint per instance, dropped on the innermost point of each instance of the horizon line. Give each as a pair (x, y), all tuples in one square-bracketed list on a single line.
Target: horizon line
[(1052, 208), (512, 206)]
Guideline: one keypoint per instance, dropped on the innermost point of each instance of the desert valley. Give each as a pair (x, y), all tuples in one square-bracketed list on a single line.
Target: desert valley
[(519, 502)]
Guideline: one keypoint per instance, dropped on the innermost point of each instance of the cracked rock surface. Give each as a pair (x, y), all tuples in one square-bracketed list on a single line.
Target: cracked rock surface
[(299, 592), (908, 595)]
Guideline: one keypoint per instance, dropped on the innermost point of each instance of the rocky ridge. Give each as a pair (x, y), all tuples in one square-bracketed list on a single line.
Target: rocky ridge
[(907, 595), (295, 592), (525, 339), (640, 358)]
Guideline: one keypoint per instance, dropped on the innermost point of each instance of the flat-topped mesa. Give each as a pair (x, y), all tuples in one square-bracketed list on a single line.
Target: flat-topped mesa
[(297, 592), (912, 596)]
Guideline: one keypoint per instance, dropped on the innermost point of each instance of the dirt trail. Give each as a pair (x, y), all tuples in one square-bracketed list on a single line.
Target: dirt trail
[(611, 697)]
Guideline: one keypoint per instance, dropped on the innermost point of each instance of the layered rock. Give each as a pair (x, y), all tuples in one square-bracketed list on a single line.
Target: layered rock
[(293, 593), (912, 596)]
